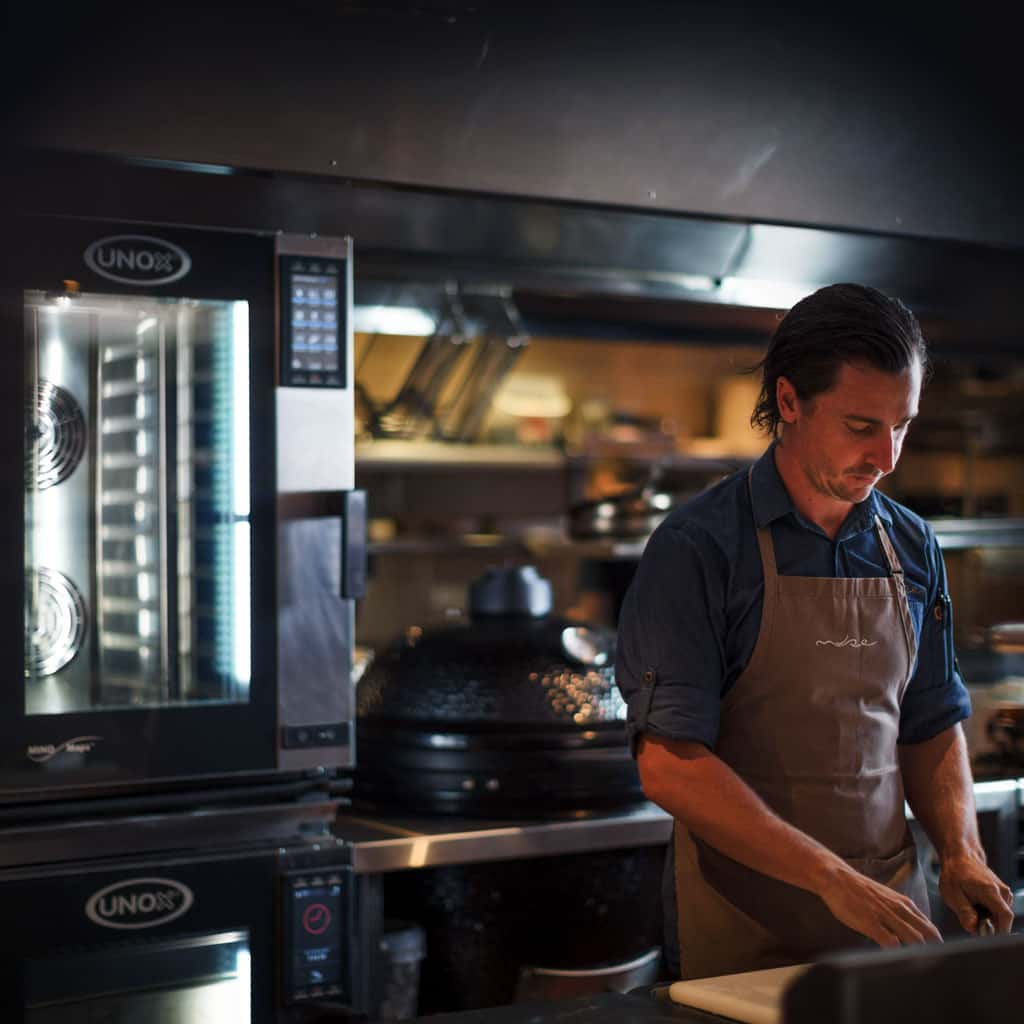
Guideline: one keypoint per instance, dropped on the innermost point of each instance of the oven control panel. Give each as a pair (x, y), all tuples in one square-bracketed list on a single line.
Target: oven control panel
[(314, 331), (317, 933)]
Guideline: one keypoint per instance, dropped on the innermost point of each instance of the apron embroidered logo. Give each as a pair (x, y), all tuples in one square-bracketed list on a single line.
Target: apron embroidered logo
[(850, 641)]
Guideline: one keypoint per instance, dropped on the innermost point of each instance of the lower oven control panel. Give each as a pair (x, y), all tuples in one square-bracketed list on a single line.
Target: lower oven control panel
[(317, 931)]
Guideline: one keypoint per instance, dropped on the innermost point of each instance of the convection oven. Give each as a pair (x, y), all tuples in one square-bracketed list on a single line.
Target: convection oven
[(182, 543)]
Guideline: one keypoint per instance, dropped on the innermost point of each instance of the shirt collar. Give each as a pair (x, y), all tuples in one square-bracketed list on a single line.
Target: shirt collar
[(770, 500)]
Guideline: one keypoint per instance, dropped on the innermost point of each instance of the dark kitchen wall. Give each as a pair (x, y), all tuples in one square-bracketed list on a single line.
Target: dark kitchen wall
[(894, 118)]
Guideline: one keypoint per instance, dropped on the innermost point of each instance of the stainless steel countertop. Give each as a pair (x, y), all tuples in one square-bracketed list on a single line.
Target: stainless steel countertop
[(394, 843), (402, 842)]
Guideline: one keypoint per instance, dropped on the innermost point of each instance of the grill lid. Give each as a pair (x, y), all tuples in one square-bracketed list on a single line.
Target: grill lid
[(516, 710)]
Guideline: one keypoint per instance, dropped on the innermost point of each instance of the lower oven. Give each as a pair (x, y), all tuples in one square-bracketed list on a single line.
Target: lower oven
[(245, 935)]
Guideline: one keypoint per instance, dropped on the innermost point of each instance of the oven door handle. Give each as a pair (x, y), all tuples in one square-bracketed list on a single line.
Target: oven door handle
[(350, 508), (353, 545)]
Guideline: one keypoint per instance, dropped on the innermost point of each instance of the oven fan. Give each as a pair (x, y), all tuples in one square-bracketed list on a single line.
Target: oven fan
[(60, 621), (56, 442)]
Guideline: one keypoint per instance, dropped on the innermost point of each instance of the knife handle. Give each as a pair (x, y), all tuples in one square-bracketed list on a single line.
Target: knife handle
[(986, 926)]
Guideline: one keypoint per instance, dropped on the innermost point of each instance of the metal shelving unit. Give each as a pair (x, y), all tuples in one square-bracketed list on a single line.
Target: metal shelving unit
[(432, 455), (959, 534)]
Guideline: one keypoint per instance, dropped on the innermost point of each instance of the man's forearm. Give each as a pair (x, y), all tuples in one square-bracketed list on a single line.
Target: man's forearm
[(707, 796), (717, 806), (940, 790)]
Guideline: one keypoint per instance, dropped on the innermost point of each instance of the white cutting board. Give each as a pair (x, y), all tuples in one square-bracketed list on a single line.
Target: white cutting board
[(754, 997)]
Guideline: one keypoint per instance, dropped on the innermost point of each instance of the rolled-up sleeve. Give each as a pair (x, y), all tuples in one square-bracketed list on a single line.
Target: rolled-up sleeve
[(936, 698), (670, 653)]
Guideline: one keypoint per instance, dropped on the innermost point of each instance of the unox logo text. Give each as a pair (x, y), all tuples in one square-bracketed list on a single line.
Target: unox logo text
[(137, 259), (43, 752), (139, 903)]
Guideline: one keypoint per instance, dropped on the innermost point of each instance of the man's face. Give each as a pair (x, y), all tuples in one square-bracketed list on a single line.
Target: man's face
[(845, 440)]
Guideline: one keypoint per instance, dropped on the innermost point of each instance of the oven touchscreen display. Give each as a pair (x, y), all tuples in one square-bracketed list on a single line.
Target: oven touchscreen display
[(313, 322), (317, 934)]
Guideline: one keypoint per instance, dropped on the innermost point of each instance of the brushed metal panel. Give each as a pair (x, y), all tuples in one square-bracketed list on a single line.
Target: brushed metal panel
[(315, 432), (315, 637)]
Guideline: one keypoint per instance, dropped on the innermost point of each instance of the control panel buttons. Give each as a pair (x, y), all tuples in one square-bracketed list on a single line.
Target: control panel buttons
[(316, 919), (318, 936), (314, 336), (323, 734)]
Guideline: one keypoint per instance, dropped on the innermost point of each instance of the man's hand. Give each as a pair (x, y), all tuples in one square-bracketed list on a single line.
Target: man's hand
[(697, 788), (876, 911), (966, 881), (937, 779)]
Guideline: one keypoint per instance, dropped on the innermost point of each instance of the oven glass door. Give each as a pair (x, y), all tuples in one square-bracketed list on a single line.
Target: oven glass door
[(137, 503), (205, 979)]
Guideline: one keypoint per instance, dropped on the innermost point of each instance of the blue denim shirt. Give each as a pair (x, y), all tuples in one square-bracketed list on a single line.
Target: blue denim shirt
[(690, 619)]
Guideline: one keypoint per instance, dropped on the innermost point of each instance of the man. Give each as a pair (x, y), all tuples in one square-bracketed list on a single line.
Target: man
[(786, 654)]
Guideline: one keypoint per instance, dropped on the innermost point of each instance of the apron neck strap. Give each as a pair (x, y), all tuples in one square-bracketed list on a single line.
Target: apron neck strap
[(891, 558), (764, 538), (764, 542)]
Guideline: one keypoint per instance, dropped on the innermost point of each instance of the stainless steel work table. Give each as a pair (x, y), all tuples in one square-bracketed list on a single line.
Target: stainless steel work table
[(382, 844), (392, 842), (398, 843)]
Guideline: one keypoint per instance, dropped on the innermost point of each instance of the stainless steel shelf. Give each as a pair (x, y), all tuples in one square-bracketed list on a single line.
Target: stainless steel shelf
[(430, 455), (605, 549), (446, 545), (958, 534), (952, 535)]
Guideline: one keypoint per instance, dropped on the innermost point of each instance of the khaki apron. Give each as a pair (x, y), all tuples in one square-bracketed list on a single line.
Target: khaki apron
[(811, 726)]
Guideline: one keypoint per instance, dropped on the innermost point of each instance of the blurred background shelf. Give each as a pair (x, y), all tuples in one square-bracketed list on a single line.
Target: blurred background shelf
[(952, 534), (959, 534), (430, 455), (509, 546)]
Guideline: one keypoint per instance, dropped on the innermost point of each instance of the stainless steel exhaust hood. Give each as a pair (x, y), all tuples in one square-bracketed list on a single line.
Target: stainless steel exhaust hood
[(569, 266), (574, 268)]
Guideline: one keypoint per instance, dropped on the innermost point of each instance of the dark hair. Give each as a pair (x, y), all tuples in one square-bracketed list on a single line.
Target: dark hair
[(839, 324)]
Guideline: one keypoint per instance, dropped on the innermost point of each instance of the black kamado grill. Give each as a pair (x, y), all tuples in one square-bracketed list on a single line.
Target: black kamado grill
[(514, 712), (512, 715)]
